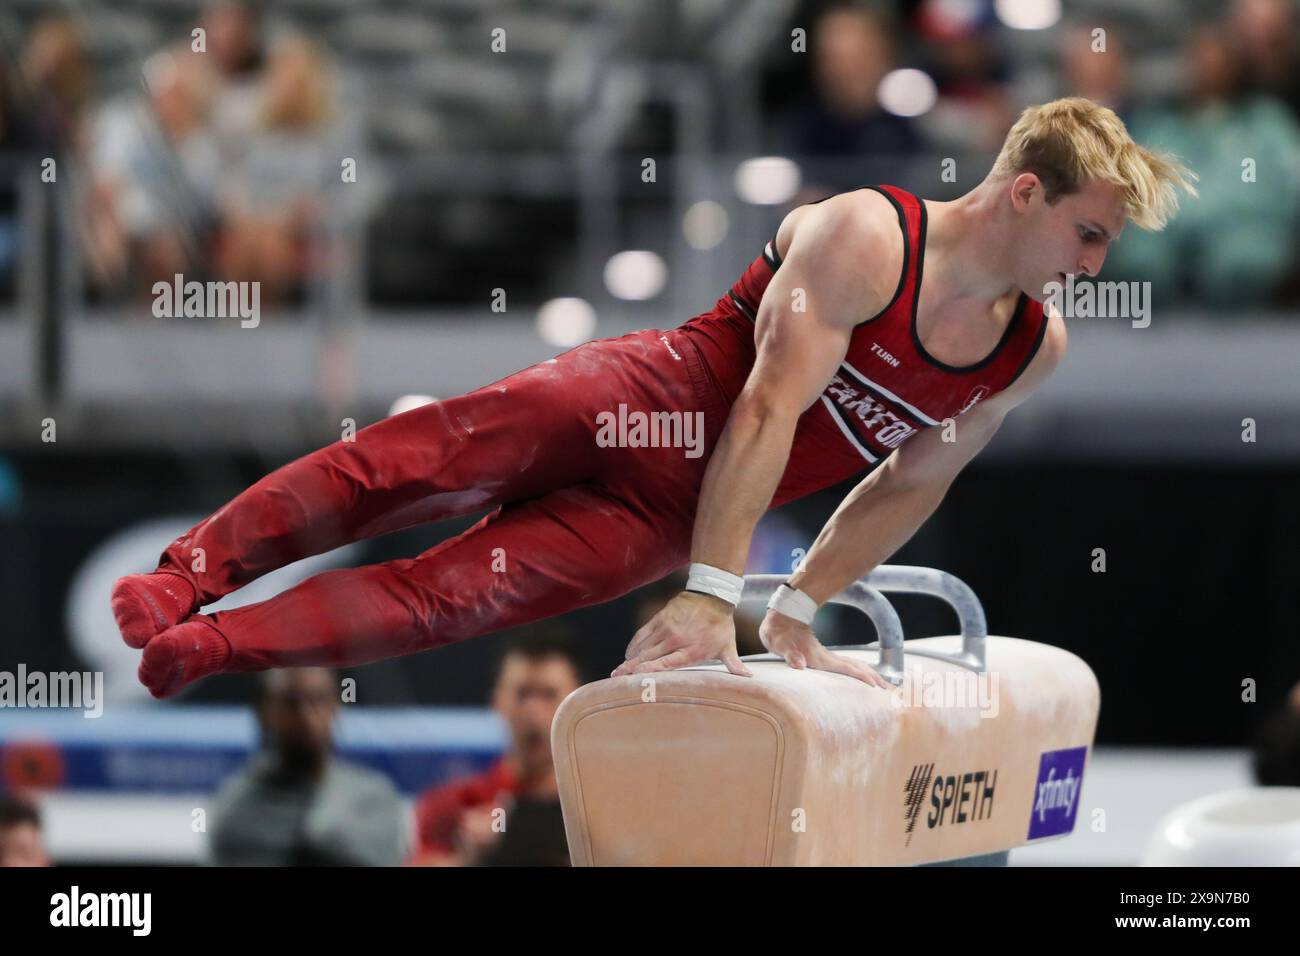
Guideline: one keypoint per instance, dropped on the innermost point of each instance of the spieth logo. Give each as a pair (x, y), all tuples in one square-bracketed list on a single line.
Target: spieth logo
[(976, 394), (954, 798), (877, 421)]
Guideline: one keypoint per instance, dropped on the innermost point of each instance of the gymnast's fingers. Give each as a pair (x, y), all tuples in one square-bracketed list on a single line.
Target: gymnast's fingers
[(794, 657), (645, 634), (837, 664), (646, 653), (731, 660), (665, 663), (790, 644)]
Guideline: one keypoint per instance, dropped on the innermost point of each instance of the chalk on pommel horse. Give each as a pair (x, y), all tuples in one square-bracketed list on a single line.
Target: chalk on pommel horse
[(979, 748)]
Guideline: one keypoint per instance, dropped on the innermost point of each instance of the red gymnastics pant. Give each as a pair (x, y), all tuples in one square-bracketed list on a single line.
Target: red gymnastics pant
[(574, 524)]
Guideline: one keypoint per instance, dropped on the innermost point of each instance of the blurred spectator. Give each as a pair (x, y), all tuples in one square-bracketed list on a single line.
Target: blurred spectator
[(236, 59), (20, 833), (1099, 75), (296, 804), (271, 203), (11, 487), (154, 172), (510, 814), (1234, 247), (852, 49), (10, 119), (43, 107), (10, 143), (221, 170), (47, 98), (1276, 756), (970, 70), (1265, 34)]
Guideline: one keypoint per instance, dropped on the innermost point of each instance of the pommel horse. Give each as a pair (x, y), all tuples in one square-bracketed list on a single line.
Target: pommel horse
[(980, 747)]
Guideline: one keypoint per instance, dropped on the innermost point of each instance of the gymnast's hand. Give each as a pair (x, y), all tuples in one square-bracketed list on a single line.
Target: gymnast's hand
[(796, 642), (689, 629)]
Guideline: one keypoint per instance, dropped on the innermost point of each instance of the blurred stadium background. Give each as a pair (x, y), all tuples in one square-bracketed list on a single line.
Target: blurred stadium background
[(426, 212)]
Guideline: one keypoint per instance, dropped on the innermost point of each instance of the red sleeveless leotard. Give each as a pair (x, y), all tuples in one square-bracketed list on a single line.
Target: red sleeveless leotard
[(887, 388)]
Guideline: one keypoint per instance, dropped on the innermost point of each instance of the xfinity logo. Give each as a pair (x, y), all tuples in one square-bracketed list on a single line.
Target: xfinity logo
[(885, 356), (1056, 794)]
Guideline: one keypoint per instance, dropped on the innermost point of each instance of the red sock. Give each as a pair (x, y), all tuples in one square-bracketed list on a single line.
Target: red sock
[(147, 604), (183, 654)]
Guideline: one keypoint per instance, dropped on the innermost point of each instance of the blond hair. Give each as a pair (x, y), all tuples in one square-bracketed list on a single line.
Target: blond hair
[(1068, 142), (299, 87)]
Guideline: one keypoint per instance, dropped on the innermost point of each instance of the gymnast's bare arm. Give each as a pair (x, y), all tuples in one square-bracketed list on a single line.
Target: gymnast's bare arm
[(887, 507), (807, 315)]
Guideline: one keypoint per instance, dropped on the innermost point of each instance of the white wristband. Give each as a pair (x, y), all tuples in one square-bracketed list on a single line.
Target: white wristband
[(793, 603), (710, 580)]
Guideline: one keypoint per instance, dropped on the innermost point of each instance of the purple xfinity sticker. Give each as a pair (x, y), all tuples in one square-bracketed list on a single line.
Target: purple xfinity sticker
[(1056, 794)]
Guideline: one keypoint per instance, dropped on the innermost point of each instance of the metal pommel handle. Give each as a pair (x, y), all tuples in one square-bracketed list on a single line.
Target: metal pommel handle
[(865, 595), (909, 579), (860, 595)]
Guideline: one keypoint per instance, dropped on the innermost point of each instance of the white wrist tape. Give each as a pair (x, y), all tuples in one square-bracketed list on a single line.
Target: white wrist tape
[(793, 603), (710, 580)]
